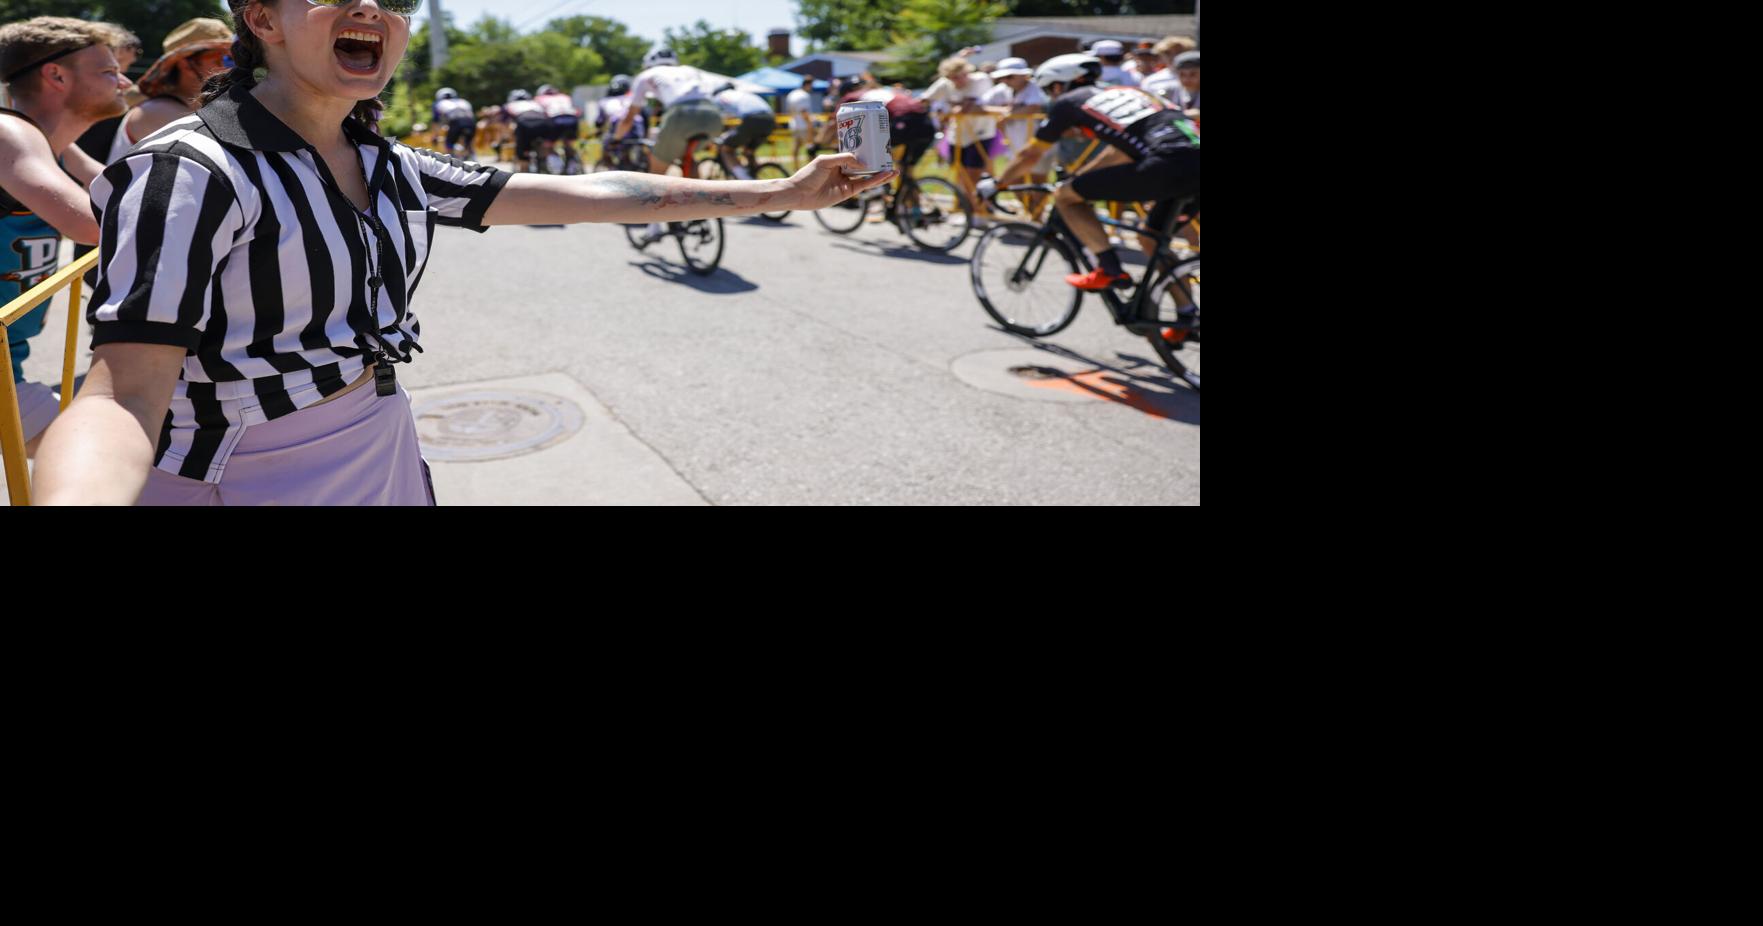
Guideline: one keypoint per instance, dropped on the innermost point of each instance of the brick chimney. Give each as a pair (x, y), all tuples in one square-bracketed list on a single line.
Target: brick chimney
[(779, 42)]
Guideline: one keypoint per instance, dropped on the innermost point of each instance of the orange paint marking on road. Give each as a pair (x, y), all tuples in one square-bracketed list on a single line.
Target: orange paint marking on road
[(1104, 384)]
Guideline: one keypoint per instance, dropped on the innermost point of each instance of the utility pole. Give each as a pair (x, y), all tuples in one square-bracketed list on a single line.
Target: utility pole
[(437, 36)]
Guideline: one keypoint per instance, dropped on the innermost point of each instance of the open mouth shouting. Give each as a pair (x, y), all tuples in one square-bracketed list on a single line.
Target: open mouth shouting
[(359, 51)]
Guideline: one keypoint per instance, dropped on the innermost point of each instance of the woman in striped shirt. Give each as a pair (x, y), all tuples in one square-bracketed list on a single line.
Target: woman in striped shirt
[(258, 264)]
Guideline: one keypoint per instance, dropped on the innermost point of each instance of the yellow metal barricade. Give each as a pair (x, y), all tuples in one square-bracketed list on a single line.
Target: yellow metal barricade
[(12, 440)]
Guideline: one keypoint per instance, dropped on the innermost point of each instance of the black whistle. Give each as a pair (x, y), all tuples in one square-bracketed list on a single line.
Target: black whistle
[(385, 379)]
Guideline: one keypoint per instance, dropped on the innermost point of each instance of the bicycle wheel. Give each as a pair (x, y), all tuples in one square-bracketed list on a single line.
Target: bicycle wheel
[(1019, 277), (1180, 351), (934, 214), (634, 235), (846, 217), (773, 172), (701, 246)]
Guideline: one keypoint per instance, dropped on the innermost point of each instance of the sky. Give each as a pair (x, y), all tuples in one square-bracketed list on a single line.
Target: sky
[(647, 18)]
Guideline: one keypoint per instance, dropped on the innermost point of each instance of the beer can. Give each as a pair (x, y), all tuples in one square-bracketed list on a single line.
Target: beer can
[(863, 131)]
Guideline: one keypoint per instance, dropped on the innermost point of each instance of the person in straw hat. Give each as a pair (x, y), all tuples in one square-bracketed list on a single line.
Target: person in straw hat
[(194, 52)]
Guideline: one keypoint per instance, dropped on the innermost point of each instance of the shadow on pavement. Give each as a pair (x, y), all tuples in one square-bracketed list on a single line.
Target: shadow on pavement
[(723, 282), (754, 221), (1131, 380), (899, 252)]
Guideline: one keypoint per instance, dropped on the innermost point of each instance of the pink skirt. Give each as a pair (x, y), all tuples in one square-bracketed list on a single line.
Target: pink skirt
[(357, 450)]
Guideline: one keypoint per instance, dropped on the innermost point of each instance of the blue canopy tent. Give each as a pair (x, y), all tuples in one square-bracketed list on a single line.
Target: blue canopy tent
[(779, 80)]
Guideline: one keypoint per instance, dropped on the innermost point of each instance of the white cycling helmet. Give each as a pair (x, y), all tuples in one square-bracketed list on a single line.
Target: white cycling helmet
[(518, 95), (659, 57), (1067, 69), (446, 93)]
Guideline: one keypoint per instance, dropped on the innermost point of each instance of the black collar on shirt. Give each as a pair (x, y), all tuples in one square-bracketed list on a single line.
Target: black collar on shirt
[(237, 119)]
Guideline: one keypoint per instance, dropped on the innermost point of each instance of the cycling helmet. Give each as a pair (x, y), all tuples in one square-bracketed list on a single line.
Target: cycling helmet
[(546, 88), (518, 95), (446, 93), (659, 57), (621, 85), (1068, 69)]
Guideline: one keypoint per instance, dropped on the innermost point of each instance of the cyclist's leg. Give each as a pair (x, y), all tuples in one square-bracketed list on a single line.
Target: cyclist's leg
[(1075, 204), (670, 141)]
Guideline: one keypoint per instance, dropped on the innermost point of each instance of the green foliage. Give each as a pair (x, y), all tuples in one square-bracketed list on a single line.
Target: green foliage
[(724, 51), (401, 113), (931, 30), (489, 59), (149, 19), (1099, 7), (619, 50), (846, 25)]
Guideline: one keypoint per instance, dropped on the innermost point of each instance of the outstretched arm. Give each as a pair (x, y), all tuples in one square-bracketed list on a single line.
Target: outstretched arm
[(633, 198)]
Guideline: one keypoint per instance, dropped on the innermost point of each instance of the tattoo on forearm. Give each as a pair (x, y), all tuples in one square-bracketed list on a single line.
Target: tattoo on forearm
[(653, 193), (640, 190)]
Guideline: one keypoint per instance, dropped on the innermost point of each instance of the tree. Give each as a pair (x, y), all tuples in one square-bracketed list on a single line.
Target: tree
[(152, 20), (846, 25), (416, 66), (1099, 7), (935, 29), (621, 52), (484, 72), (724, 51)]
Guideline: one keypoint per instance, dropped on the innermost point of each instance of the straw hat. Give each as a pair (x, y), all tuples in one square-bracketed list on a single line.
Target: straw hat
[(190, 39)]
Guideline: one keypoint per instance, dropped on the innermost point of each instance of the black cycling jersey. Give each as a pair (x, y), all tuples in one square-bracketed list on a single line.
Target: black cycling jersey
[(1139, 123)]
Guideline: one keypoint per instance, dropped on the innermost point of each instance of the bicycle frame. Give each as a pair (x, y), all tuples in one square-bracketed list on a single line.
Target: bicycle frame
[(1127, 314)]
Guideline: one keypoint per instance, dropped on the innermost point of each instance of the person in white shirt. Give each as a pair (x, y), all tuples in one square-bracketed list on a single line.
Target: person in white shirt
[(1112, 54), (757, 124), (971, 136), (689, 112), (685, 93), (1187, 70), (1142, 63), (800, 107), (1164, 82), (1014, 94)]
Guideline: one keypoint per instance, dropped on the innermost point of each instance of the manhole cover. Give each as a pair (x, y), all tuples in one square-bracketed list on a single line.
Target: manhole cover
[(469, 426)]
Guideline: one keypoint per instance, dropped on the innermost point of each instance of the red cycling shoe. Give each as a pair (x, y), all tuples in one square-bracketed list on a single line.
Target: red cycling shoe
[(1097, 280)]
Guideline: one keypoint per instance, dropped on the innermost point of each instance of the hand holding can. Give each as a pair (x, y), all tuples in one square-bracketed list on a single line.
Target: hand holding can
[(863, 131)]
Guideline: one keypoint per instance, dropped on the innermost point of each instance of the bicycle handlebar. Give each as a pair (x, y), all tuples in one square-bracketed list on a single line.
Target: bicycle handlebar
[(1021, 188)]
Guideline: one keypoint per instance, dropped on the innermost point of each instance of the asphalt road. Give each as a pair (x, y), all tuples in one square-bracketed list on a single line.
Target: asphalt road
[(811, 369)]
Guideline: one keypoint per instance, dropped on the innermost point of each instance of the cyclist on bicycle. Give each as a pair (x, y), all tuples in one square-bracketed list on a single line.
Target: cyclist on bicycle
[(531, 126), (460, 119), (690, 112), (611, 110), (1155, 156), (685, 92), (741, 143), (566, 122)]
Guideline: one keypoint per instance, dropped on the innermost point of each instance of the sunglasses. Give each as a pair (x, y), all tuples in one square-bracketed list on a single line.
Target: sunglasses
[(401, 7)]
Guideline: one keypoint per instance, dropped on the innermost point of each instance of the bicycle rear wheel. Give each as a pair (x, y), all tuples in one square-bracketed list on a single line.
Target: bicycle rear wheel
[(773, 172), (846, 217), (934, 214), (1019, 277), (700, 244), (1180, 349)]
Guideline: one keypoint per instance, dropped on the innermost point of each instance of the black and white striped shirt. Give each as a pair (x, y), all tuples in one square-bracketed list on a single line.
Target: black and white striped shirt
[(224, 233)]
